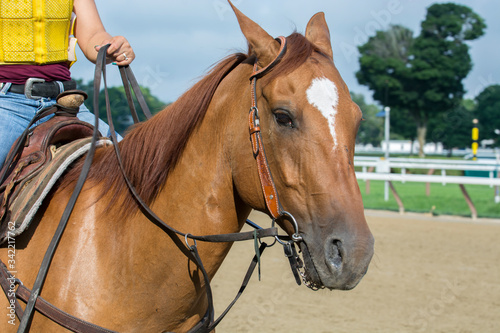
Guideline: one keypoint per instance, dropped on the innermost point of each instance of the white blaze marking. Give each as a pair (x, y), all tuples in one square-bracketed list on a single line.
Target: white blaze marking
[(323, 95)]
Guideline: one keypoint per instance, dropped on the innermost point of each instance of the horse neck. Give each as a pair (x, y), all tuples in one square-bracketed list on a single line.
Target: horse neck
[(201, 184)]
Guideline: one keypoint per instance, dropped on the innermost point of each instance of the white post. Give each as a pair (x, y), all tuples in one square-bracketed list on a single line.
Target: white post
[(387, 131), (497, 188)]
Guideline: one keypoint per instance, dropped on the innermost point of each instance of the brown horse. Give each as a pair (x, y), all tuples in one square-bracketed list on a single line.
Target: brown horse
[(194, 165)]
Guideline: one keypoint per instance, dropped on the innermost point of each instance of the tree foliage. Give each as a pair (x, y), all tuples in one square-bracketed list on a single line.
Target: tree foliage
[(371, 130), (453, 128), (120, 109), (487, 112), (421, 75)]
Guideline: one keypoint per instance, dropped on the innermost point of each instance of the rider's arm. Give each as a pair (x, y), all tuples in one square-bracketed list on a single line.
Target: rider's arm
[(91, 34)]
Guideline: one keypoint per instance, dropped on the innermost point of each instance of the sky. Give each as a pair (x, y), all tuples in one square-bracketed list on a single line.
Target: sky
[(176, 42)]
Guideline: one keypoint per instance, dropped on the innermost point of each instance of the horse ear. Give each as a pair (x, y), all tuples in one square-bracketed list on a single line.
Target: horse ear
[(317, 33), (264, 46)]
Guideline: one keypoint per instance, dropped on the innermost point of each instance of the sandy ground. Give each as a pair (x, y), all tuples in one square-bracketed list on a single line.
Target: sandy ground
[(427, 275)]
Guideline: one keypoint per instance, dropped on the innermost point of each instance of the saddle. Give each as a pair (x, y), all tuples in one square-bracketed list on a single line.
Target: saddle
[(38, 159)]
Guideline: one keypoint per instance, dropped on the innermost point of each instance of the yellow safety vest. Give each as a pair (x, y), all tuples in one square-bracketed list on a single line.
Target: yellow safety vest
[(35, 32)]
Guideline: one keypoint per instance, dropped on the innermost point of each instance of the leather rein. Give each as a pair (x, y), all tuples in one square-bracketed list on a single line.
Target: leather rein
[(273, 205)]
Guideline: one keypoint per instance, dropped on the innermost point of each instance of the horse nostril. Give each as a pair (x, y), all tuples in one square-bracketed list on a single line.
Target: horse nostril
[(335, 254)]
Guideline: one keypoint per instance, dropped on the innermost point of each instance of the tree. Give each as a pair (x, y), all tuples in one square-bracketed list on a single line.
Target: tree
[(120, 109), (423, 75), (402, 125), (488, 113), (372, 127), (453, 128)]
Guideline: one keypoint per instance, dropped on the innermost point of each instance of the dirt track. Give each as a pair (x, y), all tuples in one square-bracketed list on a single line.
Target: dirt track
[(427, 275)]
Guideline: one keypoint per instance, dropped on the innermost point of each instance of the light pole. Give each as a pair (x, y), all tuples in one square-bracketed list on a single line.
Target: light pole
[(384, 166), (497, 189), (387, 131), (475, 137)]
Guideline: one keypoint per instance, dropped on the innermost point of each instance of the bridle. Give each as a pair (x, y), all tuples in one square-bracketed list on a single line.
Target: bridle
[(266, 180), (270, 193)]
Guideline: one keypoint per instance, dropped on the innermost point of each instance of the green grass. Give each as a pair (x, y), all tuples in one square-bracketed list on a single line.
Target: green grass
[(443, 200)]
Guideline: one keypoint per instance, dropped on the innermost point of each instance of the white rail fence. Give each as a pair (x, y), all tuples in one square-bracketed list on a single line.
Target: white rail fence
[(375, 168)]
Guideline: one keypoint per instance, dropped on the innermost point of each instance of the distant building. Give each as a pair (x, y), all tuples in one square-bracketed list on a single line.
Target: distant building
[(403, 147), (406, 147)]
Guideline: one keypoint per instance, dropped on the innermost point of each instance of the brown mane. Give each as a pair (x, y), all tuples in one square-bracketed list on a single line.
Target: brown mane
[(148, 165)]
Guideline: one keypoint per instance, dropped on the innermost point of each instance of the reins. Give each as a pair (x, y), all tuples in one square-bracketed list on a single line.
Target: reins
[(273, 204), (27, 318)]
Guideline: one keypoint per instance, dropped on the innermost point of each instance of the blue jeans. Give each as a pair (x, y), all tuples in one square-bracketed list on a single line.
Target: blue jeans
[(16, 112)]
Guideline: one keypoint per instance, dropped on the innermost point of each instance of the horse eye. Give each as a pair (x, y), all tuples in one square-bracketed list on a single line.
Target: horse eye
[(283, 119)]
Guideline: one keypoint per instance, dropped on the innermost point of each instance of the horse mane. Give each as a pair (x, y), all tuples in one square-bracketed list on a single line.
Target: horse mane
[(147, 165)]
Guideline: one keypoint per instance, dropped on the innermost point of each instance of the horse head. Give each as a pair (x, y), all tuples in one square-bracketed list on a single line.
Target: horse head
[(308, 124)]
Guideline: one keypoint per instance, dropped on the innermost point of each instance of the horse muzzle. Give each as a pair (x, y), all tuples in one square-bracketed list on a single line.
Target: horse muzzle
[(339, 264)]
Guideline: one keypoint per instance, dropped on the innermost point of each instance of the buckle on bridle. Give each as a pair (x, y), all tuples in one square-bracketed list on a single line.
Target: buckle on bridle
[(256, 117)]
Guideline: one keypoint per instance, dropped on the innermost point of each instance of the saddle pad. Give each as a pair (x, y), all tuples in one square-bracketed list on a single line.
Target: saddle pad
[(26, 204)]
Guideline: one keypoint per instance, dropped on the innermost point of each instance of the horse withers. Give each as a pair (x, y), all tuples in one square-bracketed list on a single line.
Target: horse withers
[(194, 166)]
